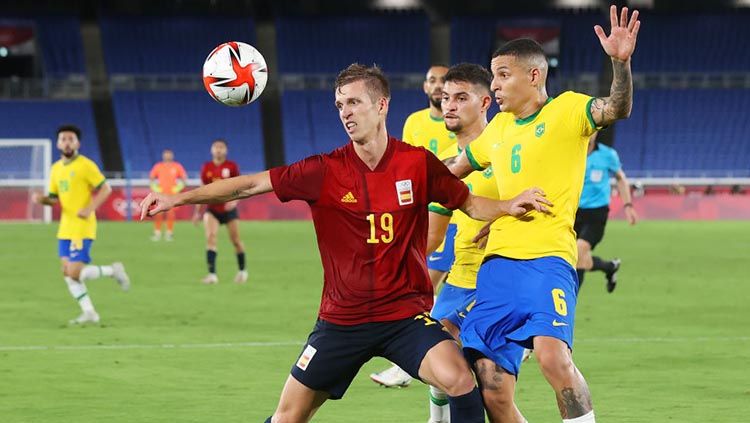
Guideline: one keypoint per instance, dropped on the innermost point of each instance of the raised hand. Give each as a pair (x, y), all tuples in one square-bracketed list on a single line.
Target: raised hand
[(620, 43)]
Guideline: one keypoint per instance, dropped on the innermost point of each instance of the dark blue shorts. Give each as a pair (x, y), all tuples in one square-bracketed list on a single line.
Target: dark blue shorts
[(75, 251), (334, 353), (516, 301), (226, 216), (443, 260)]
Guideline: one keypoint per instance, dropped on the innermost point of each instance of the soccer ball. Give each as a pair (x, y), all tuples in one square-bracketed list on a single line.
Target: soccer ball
[(235, 74)]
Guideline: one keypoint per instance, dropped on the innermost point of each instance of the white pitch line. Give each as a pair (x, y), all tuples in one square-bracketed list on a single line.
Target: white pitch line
[(231, 345)]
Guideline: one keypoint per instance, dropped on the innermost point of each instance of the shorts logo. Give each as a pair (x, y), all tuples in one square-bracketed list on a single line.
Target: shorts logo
[(404, 192), (555, 323), (306, 357)]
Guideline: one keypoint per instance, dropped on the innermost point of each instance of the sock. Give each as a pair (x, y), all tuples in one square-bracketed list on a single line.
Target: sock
[(603, 265), (467, 408), (211, 258), (95, 272), (438, 404), (586, 418), (80, 293), (268, 420), (581, 273), (241, 260)]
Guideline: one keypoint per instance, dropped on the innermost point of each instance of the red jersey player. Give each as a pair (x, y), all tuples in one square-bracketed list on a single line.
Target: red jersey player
[(369, 207), (220, 213)]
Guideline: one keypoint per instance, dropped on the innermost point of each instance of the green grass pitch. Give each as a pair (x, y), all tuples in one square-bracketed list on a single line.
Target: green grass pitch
[(671, 344)]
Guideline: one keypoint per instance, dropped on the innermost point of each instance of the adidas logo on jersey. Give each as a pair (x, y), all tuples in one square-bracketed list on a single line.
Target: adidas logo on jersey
[(348, 198)]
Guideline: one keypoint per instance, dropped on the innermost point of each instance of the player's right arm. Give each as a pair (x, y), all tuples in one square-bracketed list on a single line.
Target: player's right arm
[(52, 197), (220, 191)]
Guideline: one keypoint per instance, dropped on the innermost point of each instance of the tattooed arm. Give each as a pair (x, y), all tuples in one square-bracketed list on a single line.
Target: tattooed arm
[(221, 191), (619, 45)]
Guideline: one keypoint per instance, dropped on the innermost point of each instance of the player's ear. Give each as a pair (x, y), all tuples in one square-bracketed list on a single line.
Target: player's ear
[(536, 77), (383, 105)]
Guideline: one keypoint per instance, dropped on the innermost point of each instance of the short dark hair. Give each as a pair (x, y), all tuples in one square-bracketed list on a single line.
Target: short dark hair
[(70, 128), (471, 73), (374, 78), (523, 48)]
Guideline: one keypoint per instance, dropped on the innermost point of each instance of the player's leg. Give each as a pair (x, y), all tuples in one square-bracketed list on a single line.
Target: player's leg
[(158, 223), (211, 228), (498, 391), (571, 390), (170, 224), (239, 248), (298, 403), (71, 273), (90, 272), (584, 259)]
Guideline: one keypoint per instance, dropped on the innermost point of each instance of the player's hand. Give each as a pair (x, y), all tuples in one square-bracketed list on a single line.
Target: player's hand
[(482, 236), (531, 199), (631, 215), (620, 43), (37, 198), (84, 212), (156, 203)]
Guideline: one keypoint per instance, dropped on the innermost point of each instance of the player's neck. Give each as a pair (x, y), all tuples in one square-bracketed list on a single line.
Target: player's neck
[(533, 106), (468, 135), (371, 149), (217, 162), (67, 159)]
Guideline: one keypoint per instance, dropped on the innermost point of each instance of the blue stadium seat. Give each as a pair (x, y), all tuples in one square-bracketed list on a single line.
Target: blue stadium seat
[(41, 118), (186, 122), (398, 44), (163, 45), (61, 45)]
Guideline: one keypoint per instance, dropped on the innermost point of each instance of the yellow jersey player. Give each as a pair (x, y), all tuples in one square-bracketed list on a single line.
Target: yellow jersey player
[(426, 128), (73, 179), (527, 284)]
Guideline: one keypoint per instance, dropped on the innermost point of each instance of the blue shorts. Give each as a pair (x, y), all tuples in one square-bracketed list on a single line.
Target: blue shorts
[(443, 260), (458, 315), (79, 251), (516, 301), (450, 301)]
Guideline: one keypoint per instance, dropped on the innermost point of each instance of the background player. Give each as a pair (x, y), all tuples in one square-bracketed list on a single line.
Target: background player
[(426, 128), (527, 287), (73, 178), (602, 163), (371, 235), (166, 176), (220, 213)]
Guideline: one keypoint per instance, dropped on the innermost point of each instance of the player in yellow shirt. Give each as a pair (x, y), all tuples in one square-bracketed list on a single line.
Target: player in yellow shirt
[(527, 284), (426, 128), (73, 179)]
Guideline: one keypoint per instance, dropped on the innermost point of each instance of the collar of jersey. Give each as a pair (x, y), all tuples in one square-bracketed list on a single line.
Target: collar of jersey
[(71, 160), (382, 164), (528, 119), (434, 119)]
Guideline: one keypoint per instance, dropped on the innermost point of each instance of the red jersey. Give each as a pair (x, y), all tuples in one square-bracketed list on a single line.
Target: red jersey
[(210, 172), (371, 227)]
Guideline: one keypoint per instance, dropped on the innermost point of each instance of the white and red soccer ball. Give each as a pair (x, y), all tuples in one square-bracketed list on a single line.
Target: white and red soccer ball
[(235, 74)]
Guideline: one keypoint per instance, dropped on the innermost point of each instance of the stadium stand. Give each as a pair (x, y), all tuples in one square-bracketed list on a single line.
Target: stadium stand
[(40, 119), (61, 45), (187, 122)]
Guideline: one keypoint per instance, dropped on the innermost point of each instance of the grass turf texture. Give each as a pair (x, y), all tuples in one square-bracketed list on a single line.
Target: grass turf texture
[(671, 344)]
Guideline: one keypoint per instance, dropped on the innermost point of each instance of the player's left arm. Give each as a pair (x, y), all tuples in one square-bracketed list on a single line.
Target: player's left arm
[(481, 208), (102, 193), (619, 45), (220, 191), (623, 187)]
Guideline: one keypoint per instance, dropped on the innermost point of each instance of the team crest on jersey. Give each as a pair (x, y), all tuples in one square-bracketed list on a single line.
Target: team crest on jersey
[(539, 130), (225, 173), (404, 192), (487, 173), (451, 135)]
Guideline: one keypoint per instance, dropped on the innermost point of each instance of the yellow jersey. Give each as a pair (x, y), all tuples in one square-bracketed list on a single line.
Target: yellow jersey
[(73, 183), (423, 130), (468, 256), (545, 150)]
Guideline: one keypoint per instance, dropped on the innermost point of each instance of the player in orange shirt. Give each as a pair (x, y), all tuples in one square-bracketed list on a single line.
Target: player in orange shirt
[(167, 176)]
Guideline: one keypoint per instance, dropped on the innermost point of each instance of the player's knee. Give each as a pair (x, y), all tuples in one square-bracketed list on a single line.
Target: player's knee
[(555, 364), (457, 381), (72, 272)]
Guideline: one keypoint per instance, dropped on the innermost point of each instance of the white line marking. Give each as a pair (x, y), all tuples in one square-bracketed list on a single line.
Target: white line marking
[(231, 345)]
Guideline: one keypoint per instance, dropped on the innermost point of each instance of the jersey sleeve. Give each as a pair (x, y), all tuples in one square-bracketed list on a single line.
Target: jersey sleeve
[(614, 162), (581, 119), (181, 172), (443, 186), (302, 180), (408, 130), (53, 189), (478, 152), (94, 176), (154, 172)]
